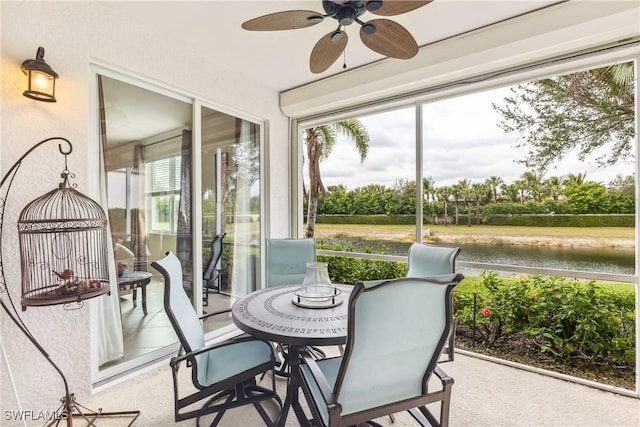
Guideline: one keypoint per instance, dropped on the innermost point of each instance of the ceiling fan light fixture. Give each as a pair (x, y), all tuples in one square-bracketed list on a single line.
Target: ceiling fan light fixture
[(369, 29), (374, 5)]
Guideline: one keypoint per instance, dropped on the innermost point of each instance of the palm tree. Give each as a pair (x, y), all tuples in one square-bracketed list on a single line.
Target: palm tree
[(478, 192), (575, 178), (521, 186), (455, 192), (494, 182), (463, 188), (553, 186), (443, 194), (533, 183), (429, 189), (509, 192), (320, 140)]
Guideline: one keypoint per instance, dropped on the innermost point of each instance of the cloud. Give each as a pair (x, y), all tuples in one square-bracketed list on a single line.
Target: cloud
[(462, 141)]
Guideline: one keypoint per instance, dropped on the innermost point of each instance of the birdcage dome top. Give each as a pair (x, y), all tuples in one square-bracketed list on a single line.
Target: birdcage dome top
[(63, 204)]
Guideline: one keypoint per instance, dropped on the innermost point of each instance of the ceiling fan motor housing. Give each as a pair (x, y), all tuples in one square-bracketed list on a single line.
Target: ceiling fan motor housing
[(344, 12)]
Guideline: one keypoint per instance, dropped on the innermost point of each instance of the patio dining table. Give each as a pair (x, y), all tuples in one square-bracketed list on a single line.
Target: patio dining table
[(271, 314)]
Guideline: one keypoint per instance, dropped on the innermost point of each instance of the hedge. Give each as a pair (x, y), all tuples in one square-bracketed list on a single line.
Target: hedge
[(544, 220), (562, 220), (367, 219)]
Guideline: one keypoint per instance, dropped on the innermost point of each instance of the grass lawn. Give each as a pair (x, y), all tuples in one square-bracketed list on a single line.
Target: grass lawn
[(486, 230), (603, 237)]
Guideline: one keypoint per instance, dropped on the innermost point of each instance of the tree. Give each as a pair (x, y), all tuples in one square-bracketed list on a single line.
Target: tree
[(493, 183), (429, 189), (588, 197), (510, 192), (404, 197), (582, 112), (553, 187), (320, 140), (533, 185), (622, 191), (463, 188), (521, 186), (443, 194), (478, 192), (575, 178)]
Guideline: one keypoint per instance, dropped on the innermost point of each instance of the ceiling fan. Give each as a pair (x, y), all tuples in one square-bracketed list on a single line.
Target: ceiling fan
[(384, 36)]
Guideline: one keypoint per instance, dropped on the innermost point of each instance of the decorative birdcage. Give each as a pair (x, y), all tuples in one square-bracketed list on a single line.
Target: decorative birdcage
[(63, 236)]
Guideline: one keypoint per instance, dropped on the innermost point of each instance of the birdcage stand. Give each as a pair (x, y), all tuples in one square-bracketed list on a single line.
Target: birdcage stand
[(69, 408)]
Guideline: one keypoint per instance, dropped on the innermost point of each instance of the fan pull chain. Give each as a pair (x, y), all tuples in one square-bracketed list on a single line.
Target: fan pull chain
[(344, 59)]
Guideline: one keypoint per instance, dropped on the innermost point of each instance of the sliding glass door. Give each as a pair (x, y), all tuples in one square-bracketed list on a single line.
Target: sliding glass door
[(230, 208), (153, 153)]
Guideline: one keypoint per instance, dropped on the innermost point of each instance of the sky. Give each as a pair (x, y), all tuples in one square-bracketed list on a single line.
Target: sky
[(463, 140)]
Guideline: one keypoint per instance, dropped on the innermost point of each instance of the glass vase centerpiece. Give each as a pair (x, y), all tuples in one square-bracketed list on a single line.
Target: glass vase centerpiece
[(316, 290)]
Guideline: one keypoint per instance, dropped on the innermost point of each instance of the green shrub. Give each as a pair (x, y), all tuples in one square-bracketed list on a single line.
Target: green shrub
[(563, 317), (352, 270), (500, 308), (578, 319)]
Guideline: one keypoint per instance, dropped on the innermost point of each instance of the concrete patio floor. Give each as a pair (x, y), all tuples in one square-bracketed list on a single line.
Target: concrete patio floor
[(484, 394)]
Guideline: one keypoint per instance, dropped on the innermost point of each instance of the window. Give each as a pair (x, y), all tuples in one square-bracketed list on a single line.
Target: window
[(164, 194), (536, 182)]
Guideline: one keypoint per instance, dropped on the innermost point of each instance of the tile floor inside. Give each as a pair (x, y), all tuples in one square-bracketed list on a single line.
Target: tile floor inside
[(143, 334)]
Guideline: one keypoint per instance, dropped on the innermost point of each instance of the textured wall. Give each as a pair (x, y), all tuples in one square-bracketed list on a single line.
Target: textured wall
[(73, 34)]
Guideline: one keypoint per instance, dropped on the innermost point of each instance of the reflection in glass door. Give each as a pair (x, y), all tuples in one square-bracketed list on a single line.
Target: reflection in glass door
[(146, 147), (146, 143), (230, 211)]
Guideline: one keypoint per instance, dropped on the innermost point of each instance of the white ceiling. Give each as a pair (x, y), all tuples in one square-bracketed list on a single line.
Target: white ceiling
[(214, 28)]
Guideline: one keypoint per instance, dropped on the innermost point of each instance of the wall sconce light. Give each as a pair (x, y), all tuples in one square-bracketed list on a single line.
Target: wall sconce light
[(42, 79)]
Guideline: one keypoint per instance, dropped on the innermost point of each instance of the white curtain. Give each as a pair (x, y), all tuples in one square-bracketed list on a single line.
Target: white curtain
[(242, 278), (110, 343), (107, 307)]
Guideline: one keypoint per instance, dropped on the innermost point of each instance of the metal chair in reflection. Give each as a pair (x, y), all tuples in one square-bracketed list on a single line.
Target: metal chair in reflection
[(211, 276), (224, 374), (396, 332), (286, 264), (437, 263)]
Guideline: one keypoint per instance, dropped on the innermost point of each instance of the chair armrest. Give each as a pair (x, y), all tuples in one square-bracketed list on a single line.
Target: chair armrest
[(214, 313), (444, 378), (320, 380), (176, 360)]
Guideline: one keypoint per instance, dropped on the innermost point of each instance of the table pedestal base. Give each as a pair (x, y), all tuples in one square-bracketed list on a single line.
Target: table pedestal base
[(293, 391)]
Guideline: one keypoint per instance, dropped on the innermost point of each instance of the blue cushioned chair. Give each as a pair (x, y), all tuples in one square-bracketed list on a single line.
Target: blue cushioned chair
[(224, 374), (286, 260), (431, 260), (286, 264), (396, 331), (437, 263)]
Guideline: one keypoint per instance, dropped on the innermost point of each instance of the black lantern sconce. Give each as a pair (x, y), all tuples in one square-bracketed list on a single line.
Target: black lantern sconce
[(41, 78)]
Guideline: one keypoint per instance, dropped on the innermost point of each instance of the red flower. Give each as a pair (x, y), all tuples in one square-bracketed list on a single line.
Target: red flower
[(485, 312)]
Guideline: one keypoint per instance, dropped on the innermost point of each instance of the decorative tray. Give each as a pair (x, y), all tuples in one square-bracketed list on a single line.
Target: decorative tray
[(322, 296)]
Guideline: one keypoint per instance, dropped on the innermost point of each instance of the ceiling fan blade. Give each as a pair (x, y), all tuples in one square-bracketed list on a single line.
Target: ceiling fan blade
[(393, 7), (389, 39), (327, 50), (289, 20)]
